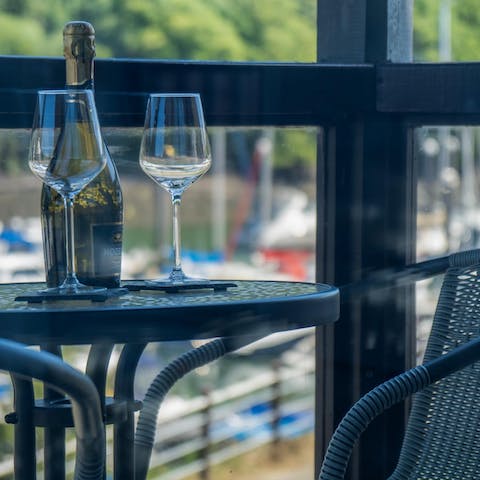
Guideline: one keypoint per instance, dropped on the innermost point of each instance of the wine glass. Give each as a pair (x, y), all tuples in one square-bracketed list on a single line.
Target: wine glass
[(175, 152), (67, 152)]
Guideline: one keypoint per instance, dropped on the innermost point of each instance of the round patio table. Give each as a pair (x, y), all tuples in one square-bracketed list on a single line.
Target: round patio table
[(146, 316), (251, 309)]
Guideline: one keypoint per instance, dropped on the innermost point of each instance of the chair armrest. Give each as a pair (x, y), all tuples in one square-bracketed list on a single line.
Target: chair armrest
[(86, 409), (394, 277), (362, 413), (453, 361)]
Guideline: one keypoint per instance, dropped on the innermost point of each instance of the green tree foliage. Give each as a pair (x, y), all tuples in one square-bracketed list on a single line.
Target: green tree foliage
[(13, 149), (21, 36), (465, 30), (183, 29), (294, 146), (425, 37), (245, 30)]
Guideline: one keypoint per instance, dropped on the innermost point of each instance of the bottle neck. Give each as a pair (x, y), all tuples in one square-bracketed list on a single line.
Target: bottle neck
[(79, 73)]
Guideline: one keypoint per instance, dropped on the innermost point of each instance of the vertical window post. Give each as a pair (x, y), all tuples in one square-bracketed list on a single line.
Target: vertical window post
[(366, 221)]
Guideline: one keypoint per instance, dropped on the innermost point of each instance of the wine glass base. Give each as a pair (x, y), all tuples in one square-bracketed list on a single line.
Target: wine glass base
[(178, 277), (83, 292), (75, 289)]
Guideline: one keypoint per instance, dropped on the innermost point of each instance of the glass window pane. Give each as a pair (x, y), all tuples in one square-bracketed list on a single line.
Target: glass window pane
[(251, 216), (448, 217), (20, 234)]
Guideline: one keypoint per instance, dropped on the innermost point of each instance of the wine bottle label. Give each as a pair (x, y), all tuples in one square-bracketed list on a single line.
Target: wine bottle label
[(107, 254)]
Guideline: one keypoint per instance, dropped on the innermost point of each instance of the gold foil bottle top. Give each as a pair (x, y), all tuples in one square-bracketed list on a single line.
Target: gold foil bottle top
[(79, 51)]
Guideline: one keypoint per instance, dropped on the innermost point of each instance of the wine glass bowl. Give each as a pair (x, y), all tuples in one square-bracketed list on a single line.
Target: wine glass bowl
[(174, 177), (60, 138), (66, 153), (175, 152)]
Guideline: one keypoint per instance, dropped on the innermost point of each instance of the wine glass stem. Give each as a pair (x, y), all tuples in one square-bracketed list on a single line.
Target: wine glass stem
[(176, 199), (70, 278)]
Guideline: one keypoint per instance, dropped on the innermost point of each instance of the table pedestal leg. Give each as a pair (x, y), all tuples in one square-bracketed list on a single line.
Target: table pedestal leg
[(124, 433), (97, 370), (24, 454), (54, 453), (54, 437)]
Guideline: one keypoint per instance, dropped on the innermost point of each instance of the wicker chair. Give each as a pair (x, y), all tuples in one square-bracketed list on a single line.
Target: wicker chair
[(442, 440)]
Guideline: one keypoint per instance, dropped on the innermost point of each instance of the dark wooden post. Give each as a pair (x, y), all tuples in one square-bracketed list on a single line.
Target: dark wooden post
[(366, 221)]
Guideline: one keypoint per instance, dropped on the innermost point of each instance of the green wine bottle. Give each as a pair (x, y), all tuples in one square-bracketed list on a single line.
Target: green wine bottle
[(98, 209)]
